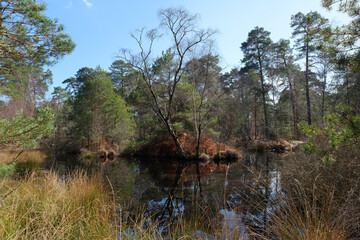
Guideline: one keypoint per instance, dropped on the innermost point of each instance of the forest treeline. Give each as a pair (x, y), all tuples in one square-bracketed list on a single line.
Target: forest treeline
[(144, 96), (303, 88)]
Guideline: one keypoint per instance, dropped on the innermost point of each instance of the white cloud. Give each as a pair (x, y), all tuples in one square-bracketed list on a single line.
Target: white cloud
[(87, 3), (69, 5)]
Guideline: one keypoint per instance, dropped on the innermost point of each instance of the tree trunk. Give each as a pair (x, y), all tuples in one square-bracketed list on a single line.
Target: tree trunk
[(274, 112), (182, 153), (347, 91), (323, 100), (293, 106), (307, 91), (198, 138), (255, 120), (197, 126), (264, 100)]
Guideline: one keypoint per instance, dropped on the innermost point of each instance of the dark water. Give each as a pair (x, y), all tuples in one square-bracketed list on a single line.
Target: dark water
[(228, 197), (234, 195)]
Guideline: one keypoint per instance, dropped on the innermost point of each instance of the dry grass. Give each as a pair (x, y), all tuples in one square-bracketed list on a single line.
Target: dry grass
[(311, 220), (323, 200), (26, 163), (36, 156), (46, 206), (318, 202), (43, 207)]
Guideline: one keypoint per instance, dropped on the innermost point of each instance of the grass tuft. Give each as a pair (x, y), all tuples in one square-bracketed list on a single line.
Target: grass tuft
[(43, 207)]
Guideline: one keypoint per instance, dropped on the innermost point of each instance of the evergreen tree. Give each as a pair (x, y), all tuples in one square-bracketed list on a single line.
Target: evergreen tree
[(285, 67), (29, 37), (98, 113), (308, 29), (256, 51)]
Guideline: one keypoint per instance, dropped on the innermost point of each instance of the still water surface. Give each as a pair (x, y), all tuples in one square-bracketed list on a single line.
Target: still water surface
[(240, 192), (234, 195)]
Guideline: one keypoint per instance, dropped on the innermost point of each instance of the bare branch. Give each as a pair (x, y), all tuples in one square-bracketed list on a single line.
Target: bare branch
[(161, 76)]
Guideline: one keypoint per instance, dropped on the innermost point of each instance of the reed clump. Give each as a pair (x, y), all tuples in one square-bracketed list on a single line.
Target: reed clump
[(312, 219), (44, 206), (322, 200)]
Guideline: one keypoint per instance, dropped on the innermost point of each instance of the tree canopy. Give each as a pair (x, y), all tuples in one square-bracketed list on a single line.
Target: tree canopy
[(27, 35), (23, 131), (29, 40), (162, 75), (98, 113), (256, 51)]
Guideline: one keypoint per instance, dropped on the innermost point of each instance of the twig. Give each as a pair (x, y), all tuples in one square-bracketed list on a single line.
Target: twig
[(16, 158), (6, 195)]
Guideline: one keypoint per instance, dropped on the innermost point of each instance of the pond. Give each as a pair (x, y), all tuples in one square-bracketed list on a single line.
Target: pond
[(233, 197)]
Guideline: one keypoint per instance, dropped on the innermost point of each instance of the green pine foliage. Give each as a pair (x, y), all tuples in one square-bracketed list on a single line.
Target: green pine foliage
[(99, 113), (342, 130), (24, 131), (27, 35), (7, 170)]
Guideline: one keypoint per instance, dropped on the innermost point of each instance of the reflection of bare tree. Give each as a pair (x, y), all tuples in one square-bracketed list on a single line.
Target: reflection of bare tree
[(175, 191), (248, 192), (198, 179), (169, 205), (225, 184)]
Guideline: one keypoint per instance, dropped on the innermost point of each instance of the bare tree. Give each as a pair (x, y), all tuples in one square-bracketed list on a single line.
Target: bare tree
[(204, 75), (161, 76)]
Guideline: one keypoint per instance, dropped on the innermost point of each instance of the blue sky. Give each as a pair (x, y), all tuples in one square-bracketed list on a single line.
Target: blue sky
[(100, 28)]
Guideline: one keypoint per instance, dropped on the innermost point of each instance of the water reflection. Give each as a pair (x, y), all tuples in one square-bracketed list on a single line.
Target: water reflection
[(232, 195)]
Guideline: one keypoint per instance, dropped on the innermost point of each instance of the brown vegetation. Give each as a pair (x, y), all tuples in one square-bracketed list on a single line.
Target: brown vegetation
[(37, 156), (106, 155), (167, 149), (42, 207), (278, 146), (111, 155), (228, 156), (204, 158), (102, 155), (325, 196)]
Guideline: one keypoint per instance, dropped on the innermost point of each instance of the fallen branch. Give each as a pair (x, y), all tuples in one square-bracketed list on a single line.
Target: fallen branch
[(15, 158)]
